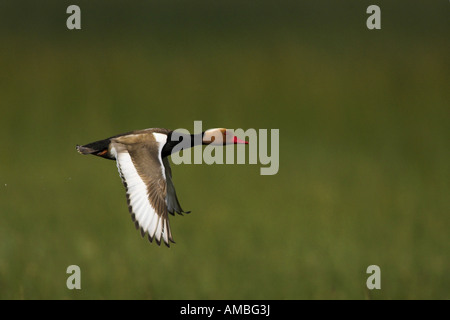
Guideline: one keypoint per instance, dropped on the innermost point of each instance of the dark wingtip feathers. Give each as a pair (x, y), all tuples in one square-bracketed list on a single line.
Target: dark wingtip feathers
[(179, 212)]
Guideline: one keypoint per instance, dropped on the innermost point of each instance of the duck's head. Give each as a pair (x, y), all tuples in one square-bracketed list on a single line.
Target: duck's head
[(220, 137)]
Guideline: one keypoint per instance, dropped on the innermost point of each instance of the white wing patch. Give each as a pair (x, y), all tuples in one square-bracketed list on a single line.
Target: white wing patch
[(144, 214), (161, 140)]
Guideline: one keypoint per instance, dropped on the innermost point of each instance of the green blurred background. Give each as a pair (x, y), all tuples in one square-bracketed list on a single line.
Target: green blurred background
[(364, 148)]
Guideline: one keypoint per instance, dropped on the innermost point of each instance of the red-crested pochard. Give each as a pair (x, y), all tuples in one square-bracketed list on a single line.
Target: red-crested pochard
[(141, 158)]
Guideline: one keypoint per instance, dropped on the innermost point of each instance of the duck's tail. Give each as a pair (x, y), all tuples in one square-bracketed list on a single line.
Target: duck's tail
[(98, 148)]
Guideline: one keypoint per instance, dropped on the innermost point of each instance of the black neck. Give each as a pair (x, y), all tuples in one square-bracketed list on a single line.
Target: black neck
[(175, 138)]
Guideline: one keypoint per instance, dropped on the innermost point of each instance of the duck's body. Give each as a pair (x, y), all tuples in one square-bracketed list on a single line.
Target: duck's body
[(141, 158)]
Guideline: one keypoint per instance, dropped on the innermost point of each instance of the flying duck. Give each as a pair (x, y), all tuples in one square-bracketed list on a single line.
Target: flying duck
[(141, 158)]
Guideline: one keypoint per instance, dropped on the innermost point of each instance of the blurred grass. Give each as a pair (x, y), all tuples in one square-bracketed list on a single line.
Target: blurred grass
[(364, 150)]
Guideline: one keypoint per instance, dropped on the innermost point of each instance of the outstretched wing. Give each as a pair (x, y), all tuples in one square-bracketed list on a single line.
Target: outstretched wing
[(143, 175), (173, 205)]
